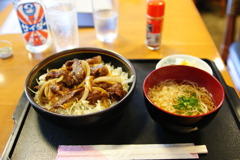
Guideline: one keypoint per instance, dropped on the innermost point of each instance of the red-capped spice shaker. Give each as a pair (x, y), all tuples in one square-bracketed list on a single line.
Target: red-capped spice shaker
[(155, 13)]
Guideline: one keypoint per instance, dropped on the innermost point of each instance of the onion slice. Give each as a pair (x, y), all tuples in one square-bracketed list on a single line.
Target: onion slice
[(101, 90), (86, 67), (46, 90), (85, 93), (107, 79), (88, 81)]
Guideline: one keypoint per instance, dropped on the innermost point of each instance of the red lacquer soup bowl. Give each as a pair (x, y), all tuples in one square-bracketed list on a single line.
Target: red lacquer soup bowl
[(179, 73)]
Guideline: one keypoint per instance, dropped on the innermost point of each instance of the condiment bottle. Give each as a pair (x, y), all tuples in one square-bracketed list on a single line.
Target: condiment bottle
[(155, 13), (33, 23)]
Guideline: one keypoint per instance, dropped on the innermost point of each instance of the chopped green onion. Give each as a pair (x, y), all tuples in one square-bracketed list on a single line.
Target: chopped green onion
[(188, 103)]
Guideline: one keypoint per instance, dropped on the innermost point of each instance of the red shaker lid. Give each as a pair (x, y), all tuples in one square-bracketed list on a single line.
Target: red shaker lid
[(155, 8)]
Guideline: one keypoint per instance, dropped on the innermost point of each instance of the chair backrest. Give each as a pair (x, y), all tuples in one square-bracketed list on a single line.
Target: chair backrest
[(232, 11)]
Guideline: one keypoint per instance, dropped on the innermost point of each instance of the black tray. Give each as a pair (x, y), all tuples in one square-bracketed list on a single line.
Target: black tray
[(34, 138)]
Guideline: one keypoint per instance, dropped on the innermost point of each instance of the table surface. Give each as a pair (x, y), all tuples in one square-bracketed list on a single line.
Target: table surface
[(183, 33)]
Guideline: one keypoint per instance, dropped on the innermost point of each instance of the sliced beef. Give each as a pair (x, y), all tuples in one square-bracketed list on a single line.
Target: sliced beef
[(94, 60), (55, 74), (94, 96), (116, 91), (78, 71), (102, 85), (99, 71), (69, 95), (73, 75), (69, 64), (58, 88)]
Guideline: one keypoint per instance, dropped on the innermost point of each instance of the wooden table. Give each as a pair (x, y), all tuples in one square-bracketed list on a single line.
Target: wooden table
[(184, 33)]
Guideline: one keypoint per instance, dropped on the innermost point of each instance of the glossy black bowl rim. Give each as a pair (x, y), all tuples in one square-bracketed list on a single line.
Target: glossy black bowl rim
[(187, 67), (64, 53)]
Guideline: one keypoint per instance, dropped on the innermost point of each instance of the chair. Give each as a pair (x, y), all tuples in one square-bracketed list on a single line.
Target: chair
[(233, 63), (230, 49), (233, 9), (219, 3)]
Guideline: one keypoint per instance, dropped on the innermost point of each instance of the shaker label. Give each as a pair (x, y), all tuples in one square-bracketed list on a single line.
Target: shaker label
[(154, 26), (33, 23), (153, 35), (153, 39)]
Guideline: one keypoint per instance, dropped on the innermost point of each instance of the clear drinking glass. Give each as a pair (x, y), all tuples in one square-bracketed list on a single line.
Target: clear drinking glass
[(62, 18), (105, 14)]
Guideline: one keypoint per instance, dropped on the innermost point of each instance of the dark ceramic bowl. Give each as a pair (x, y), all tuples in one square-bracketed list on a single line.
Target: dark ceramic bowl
[(56, 61), (179, 73)]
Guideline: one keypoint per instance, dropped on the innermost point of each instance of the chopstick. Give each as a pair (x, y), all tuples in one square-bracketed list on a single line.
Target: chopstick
[(128, 152)]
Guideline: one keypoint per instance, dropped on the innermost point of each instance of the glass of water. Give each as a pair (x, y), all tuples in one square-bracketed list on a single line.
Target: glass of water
[(62, 18), (105, 14)]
